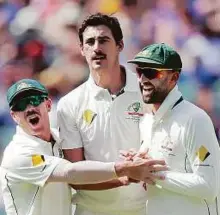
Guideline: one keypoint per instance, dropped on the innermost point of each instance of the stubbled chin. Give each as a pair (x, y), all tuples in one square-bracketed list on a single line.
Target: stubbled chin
[(147, 93)]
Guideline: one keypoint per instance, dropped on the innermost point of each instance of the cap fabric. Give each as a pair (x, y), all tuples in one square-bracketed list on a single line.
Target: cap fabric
[(25, 85), (159, 56)]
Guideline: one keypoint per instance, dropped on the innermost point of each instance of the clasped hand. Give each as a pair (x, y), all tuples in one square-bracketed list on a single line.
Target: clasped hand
[(143, 167)]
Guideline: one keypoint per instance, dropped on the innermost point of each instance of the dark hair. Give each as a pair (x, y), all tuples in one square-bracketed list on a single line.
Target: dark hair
[(101, 19)]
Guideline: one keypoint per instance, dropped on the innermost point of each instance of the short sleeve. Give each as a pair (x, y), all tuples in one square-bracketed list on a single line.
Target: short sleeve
[(69, 132), (34, 169)]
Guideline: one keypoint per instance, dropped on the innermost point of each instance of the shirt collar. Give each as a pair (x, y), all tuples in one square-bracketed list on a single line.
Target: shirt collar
[(168, 104), (130, 85), (21, 133)]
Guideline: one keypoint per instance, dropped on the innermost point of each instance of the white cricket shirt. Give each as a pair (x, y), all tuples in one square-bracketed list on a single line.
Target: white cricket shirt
[(184, 136), (27, 164), (88, 117)]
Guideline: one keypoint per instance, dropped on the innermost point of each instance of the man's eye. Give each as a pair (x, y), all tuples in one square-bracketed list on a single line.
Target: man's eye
[(90, 42), (102, 41)]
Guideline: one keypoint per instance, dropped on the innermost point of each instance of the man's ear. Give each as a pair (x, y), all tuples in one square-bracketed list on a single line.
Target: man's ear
[(81, 49), (14, 117), (121, 45), (49, 104), (175, 76)]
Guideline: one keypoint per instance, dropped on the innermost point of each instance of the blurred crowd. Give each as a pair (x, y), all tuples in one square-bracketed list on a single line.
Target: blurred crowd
[(39, 39)]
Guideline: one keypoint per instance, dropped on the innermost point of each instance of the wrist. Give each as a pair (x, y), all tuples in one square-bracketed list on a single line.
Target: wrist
[(122, 168)]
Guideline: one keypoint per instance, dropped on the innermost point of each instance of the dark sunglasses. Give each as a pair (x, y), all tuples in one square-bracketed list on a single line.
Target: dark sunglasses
[(22, 104), (151, 73)]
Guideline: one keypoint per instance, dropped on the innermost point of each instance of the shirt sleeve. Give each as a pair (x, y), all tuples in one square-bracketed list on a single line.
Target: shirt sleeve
[(34, 169), (69, 132), (202, 150)]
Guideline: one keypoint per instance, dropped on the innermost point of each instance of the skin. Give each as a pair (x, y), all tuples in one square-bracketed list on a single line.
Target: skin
[(102, 55), (156, 90), (40, 129)]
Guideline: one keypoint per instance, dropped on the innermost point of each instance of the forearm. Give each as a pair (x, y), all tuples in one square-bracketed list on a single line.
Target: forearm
[(99, 186), (83, 172), (190, 184)]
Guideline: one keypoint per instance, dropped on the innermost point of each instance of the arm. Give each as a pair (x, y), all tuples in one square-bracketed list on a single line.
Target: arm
[(39, 169), (85, 172), (70, 134), (75, 155), (73, 145), (203, 153)]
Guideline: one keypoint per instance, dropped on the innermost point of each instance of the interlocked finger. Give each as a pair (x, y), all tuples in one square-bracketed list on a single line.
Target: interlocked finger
[(156, 162), (149, 180), (157, 168)]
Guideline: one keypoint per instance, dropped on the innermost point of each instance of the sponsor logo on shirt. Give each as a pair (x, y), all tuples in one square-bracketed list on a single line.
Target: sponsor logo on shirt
[(37, 160), (134, 111), (89, 116), (202, 153)]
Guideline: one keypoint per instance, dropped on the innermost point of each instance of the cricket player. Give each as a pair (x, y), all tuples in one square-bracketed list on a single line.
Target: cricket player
[(179, 132), (101, 117), (33, 159)]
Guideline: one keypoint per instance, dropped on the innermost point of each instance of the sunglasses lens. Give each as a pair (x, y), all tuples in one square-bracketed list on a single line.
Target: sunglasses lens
[(147, 72), (22, 104), (35, 101)]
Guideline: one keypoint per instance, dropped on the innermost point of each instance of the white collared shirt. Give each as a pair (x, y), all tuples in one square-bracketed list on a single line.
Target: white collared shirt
[(89, 118), (184, 136), (27, 164)]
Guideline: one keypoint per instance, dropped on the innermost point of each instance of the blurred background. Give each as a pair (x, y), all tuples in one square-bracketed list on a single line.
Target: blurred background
[(38, 39)]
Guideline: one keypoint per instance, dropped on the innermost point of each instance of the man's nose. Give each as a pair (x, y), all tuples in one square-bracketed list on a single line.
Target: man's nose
[(97, 46), (143, 78), (30, 107)]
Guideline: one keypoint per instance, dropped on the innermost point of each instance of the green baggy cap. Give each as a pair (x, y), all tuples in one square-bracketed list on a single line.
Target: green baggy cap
[(28, 86), (158, 55)]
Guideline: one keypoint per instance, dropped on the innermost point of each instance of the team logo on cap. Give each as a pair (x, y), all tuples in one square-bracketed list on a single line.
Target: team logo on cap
[(89, 116), (23, 85), (145, 53)]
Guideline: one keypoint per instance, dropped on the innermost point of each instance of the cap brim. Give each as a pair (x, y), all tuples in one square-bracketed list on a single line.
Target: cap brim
[(143, 60)]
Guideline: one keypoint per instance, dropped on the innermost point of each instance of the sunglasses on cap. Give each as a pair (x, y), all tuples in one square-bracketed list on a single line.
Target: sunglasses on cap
[(22, 104), (151, 73)]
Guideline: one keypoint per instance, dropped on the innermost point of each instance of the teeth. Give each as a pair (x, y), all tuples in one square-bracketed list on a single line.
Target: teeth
[(32, 116)]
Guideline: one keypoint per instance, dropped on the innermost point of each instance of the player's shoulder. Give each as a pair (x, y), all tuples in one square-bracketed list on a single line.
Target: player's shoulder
[(131, 80), (193, 113), (73, 97), (12, 155)]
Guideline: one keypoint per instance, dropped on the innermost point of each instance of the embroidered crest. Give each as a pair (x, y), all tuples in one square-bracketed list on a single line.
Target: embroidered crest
[(145, 53), (23, 85)]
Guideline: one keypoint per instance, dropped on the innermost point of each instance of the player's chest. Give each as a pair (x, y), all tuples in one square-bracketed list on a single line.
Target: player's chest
[(165, 142), (95, 115)]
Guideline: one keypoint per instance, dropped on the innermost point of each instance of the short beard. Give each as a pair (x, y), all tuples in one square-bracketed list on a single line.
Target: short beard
[(157, 97)]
